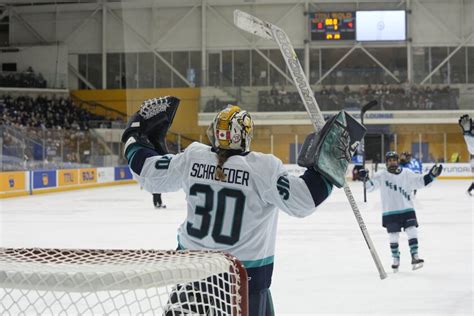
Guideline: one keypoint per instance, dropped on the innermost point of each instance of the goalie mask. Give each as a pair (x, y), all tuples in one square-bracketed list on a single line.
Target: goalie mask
[(232, 128)]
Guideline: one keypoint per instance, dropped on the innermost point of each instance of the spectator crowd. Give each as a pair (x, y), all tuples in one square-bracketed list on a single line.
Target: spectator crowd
[(46, 113), (25, 79), (389, 97), (44, 131)]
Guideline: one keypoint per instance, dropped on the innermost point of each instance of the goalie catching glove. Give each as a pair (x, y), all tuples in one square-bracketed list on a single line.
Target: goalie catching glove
[(151, 123), (330, 151)]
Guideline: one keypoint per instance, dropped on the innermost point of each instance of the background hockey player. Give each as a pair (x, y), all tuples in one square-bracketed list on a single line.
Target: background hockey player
[(467, 126), (157, 201), (357, 160), (407, 161), (396, 185), (233, 194)]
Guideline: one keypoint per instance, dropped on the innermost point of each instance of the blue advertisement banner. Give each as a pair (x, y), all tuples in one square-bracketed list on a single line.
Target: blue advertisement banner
[(123, 173), (44, 179)]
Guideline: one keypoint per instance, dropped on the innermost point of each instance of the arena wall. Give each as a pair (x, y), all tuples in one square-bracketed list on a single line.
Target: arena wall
[(22, 183), (129, 101)]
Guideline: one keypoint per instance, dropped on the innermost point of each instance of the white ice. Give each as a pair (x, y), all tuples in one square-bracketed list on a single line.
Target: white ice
[(322, 264)]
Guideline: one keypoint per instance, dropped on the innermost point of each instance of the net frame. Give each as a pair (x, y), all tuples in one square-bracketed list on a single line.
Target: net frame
[(79, 274)]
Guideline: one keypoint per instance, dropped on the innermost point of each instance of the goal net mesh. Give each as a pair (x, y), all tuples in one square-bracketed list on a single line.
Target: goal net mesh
[(120, 282)]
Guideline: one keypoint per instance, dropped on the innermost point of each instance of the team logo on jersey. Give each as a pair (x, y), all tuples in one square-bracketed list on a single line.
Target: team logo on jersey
[(398, 189), (283, 186)]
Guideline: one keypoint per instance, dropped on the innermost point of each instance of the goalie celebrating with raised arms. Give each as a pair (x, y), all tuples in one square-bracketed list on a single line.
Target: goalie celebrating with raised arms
[(396, 185), (233, 194)]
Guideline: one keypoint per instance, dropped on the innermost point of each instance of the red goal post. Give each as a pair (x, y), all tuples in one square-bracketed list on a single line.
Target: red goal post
[(98, 281)]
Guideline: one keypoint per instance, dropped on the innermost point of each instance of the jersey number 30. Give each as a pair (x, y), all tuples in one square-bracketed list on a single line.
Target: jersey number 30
[(205, 212)]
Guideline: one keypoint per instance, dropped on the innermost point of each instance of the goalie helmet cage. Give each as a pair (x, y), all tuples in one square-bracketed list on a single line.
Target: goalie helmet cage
[(121, 282)]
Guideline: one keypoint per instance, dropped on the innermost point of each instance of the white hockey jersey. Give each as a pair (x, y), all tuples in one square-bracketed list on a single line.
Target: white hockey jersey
[(396, 189), (238, 216)]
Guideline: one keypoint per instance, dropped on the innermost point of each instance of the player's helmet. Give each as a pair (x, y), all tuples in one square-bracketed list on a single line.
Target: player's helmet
[(405, 157), (232, 128), (391, 154)]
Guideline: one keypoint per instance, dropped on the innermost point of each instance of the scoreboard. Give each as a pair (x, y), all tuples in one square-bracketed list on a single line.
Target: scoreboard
[(332, 26)]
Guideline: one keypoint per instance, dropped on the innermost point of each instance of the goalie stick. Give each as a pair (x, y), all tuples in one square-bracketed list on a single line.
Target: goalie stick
[(269, 31)]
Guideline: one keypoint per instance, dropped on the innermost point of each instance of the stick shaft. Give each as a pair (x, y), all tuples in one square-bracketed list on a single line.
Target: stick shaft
[(264, 29)]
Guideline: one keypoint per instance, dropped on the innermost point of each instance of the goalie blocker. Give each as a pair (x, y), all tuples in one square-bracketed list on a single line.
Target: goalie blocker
[(330, 151)]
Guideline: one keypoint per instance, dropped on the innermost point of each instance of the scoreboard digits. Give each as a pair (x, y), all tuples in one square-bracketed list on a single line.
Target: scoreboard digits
[(333, 26)]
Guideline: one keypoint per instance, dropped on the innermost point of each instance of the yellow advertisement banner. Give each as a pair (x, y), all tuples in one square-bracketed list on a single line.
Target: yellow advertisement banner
[(12, 181), (68, 177), (88, 175)]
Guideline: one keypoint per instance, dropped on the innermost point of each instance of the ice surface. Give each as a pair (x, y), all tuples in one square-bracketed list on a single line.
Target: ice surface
[(322, 265)]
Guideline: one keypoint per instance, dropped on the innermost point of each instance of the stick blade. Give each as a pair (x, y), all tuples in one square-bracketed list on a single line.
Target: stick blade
[(253, 25), (369, 105)]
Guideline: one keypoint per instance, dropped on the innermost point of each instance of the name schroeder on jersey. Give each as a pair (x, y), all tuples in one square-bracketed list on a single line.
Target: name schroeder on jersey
[(206, 171)]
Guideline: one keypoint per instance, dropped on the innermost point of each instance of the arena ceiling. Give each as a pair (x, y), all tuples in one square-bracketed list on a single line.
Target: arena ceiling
[(187, 2)]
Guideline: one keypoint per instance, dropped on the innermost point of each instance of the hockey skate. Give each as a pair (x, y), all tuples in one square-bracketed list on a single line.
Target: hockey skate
[(416, 262), (160, 206), (395, 264)]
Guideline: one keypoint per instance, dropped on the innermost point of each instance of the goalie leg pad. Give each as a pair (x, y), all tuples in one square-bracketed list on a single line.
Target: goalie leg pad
[(330, 151)]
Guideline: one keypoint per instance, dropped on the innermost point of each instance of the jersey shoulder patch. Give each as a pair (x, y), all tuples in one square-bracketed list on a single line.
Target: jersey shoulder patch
[(283, 186)]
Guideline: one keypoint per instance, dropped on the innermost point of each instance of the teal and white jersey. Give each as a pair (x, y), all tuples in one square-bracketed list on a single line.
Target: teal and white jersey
[(239, 215), (470, 142), (396, 189)]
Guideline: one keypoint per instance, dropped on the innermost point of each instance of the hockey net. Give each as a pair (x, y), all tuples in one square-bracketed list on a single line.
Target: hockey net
[(120, 282)]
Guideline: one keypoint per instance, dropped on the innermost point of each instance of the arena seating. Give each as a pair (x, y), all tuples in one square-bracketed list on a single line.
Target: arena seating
[(25, 79), (390, 98)]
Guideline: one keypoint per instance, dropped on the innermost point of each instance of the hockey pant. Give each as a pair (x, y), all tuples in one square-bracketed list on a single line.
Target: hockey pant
[(157, 199), (261, 304)]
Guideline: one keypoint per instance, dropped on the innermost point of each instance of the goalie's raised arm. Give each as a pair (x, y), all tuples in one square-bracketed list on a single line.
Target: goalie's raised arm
[(145, 133), (145, 145), (326, 154)]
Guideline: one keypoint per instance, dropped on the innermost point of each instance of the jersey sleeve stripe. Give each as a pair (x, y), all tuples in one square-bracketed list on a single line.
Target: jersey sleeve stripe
[(319, 187), (258, 263), (136, 155)]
